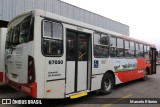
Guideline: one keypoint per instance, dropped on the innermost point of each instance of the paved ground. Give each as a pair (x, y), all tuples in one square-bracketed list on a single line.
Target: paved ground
[(135, 89)]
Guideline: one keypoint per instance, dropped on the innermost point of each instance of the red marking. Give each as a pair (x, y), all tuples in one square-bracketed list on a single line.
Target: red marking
[(126, 76), (48, 91), (29, 89), (1, 76), (141, 63)]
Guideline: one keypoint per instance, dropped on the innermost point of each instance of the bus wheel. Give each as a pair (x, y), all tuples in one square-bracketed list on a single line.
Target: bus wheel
[(145, 75), (107, 84)]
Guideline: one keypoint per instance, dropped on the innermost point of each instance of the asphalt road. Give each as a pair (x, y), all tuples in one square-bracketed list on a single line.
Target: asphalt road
[(135, 89)]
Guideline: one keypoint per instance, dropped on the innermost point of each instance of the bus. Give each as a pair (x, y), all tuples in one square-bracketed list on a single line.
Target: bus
[(50, 56), (3, 32)]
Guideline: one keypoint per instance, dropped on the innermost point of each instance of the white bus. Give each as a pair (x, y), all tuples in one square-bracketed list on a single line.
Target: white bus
[(3, 32), (50, 56)]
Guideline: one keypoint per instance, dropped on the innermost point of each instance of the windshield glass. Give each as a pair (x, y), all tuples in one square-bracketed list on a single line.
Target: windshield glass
[(20, 31)]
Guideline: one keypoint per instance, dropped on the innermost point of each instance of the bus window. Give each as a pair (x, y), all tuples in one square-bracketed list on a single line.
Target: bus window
[(119, 43), (120, 48), (16, 35), (52, 39), (52, 47), (101, 51), (11, 37), (127, 50), (7, 41), (24, 30), (113, 52), (71, 48), (104, 40), (146, 51), (101, 47), (57, 31), (120, 52), (132, 46), (113, 41), (83, 53), (137, 50), (96, 38), (132, 49), (47, 29), (126, 44), (141, 53)]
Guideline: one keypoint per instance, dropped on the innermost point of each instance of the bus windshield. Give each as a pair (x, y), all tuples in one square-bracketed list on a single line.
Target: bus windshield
[(21, 32)]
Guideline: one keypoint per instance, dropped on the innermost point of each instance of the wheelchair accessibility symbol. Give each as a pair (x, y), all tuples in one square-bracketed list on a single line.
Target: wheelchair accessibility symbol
[(96, 64)]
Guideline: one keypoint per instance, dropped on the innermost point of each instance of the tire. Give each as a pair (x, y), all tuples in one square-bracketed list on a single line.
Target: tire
[(145, 75), (107, 84)]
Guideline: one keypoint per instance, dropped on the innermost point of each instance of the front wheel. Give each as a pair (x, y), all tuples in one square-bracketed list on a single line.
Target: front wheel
[(107, 84)]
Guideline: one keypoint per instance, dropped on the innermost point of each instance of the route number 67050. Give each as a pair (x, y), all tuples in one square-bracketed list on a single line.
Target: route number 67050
[(55, 62)]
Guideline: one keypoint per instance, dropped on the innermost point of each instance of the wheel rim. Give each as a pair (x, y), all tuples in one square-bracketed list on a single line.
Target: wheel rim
[(107, 84)]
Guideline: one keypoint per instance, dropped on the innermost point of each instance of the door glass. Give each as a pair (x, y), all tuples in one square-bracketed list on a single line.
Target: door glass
[(71, 47), (83, 54)]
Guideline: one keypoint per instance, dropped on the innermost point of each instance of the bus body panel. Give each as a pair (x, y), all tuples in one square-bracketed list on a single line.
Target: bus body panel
[(3, 32), (99, 67), (54, 77), (39, 59), (54, 68), (55, 89), (70, 77), (17, 71), (96, 82)]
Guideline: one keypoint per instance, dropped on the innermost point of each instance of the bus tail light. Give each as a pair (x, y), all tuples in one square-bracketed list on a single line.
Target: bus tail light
[(31, 70)]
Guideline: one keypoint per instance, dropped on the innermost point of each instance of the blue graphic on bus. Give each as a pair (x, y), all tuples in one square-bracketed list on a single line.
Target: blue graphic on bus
[(96, 64)]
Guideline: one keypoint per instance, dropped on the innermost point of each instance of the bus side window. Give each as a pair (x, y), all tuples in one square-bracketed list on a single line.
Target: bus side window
[(120, 52), (120, 48), (16, 35), (137, 50), (141, 53), (127, 50), (113, 43), (8, 40), (47, 29), (24, 30), (52, 39), (46, 46), (101, 45), (132, 49), (146, 51)]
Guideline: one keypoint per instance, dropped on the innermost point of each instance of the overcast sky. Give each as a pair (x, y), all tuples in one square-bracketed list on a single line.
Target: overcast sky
[(142, 16)]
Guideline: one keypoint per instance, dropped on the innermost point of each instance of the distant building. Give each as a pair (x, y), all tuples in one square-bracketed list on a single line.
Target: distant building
[(11, 8)]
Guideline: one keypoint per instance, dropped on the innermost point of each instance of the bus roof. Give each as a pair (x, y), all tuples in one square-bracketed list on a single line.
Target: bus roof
[(78, 24), (138, 41)]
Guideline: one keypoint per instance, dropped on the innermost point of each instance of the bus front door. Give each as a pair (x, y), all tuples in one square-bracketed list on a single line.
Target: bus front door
[(77, 61), (153, 61)]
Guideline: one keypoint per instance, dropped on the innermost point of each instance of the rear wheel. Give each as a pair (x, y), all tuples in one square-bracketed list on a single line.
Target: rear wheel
[(145, 75), (107, 84)]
